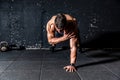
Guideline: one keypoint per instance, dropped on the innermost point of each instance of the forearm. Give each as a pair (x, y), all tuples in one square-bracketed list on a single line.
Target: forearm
[(73, 55), (56, 40)]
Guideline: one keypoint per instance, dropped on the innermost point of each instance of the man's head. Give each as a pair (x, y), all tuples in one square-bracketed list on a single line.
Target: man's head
[(60, 21)]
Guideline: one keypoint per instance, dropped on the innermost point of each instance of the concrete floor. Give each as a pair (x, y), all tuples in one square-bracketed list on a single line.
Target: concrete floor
[(45, 65)]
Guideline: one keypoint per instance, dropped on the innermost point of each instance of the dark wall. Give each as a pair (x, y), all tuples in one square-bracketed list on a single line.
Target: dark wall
[(23, 22)]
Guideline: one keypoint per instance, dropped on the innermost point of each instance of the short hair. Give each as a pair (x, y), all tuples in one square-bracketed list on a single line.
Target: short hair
[(60, 21)]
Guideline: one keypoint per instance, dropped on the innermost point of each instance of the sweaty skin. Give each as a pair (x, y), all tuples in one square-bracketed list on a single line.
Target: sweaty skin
[(70, 32)]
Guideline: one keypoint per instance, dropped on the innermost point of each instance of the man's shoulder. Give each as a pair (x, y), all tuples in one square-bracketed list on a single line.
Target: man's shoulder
[(69, 17), (50, 26)]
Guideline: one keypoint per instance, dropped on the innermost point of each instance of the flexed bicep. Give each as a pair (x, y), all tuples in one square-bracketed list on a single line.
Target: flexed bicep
[(50, 33)]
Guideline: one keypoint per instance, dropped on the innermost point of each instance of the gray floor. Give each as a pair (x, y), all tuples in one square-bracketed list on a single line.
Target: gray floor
[(45, 65)]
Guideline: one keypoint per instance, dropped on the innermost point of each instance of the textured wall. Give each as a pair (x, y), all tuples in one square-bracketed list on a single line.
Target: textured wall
[(23, 22)]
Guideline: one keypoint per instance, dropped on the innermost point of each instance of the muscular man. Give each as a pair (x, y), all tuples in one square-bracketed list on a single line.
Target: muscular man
[(66, 24)]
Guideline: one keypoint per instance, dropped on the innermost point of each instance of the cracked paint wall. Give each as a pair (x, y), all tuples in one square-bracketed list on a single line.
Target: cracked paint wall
[(23, 22)]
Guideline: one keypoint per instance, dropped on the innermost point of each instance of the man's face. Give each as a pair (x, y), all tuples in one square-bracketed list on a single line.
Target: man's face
[(60, 30)]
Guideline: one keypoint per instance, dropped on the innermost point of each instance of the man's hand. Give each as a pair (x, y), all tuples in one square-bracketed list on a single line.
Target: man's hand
[(70, 68), (68, 35)]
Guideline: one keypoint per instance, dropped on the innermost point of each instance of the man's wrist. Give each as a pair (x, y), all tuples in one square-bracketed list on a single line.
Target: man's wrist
[(72, 64)]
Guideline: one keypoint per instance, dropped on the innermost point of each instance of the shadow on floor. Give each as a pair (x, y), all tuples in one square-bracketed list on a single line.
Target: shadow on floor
[(54, 49), (106, 55), (98, 62)]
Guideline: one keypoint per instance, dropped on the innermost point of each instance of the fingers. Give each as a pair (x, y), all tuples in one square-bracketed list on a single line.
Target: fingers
[(69, 68), (66, 69), (72, 70), (70, 35)]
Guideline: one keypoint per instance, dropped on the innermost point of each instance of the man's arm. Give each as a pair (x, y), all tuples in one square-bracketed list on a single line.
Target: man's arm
[(73, 44), (51, 35), (73, 55), (73, 49)]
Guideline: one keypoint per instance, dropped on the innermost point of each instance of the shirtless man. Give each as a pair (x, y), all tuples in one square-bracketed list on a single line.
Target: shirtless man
[(66, 24)]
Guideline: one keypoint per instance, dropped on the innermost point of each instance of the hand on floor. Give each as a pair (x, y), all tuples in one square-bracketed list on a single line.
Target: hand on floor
[(70, 68)]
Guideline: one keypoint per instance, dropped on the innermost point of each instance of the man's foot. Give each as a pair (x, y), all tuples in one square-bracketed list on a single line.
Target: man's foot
[(52, 48)]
